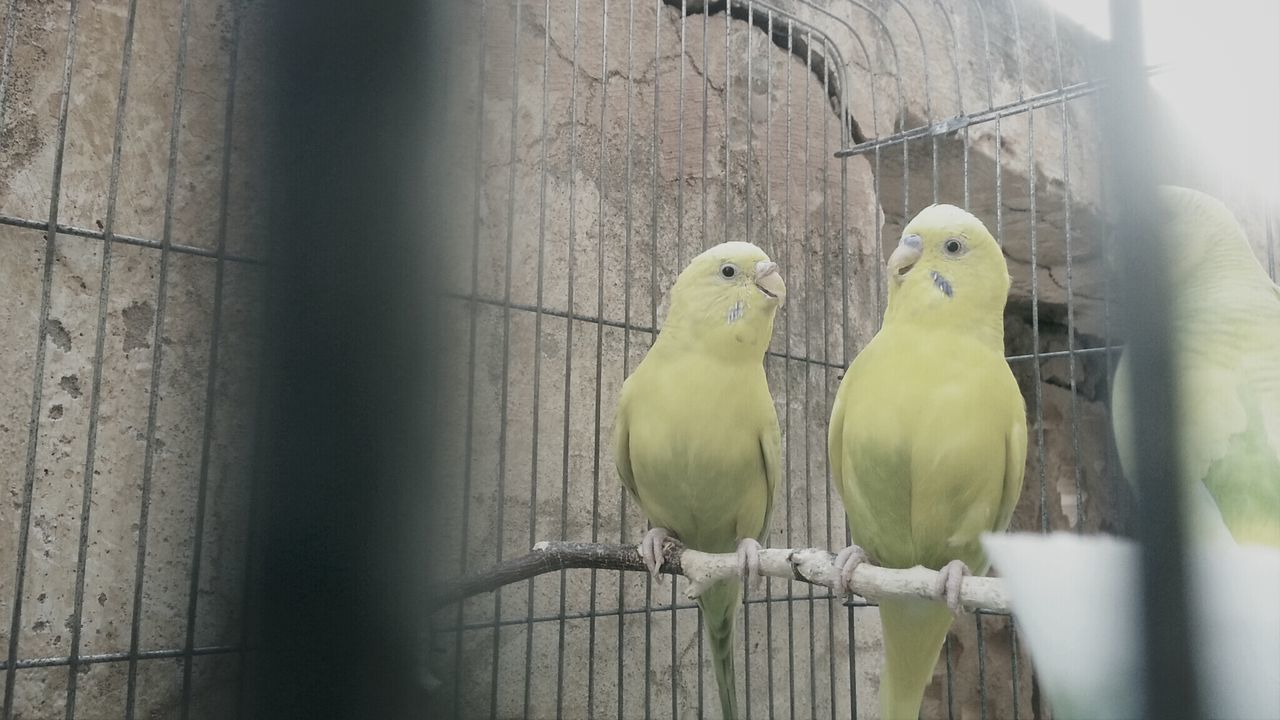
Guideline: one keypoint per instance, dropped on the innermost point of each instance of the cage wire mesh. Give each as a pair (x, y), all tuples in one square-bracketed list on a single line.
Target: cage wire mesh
[(131, 281), (614, 140), (618, 139)]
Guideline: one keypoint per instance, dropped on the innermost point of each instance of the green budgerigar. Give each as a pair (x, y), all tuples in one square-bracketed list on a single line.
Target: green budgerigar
[(928, 436), (696, 436), (1225, 324)]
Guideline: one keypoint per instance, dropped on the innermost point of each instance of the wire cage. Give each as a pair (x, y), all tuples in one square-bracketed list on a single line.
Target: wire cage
[(605, 143), (615, 141)]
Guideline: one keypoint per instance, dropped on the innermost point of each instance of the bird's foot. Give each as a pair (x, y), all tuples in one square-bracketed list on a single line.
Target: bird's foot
[(653, 547), (847, 561), (749, 560), (948, 586)]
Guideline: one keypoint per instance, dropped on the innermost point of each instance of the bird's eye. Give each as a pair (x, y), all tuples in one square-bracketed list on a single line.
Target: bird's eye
[(728, 271), (952, 246)]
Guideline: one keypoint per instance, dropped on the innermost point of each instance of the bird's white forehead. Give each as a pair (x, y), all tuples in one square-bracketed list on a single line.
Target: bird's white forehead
[(950, 218), (733, 250)]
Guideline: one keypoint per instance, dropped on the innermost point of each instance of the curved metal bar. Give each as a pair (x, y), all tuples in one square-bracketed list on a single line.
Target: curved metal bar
[(857, 37), (955, 51), (1057, 47), (893, 49), (1017, 49), (902, 115), (924, 60), (866, 55), (986, 50)]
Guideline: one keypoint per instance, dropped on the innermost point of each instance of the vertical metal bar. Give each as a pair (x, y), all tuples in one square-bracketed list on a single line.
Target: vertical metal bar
[(1037, 380), (706, 240), (750, 28), (982, 667), (1071, 304), (808, 353), (999, 186), (845, 358), (46, 288), (626, 349), (568, 344), (882, 289), (728, 12), (162, 294), (1017, 50), (1169, 681), (503, 410), (750, 90), (95, 399), (786, 340), (1013, 662), (951, 695), (680, 264), (653, 323), (472, 343), (853, 678), (595, 467), (787, 239), (684, 13), (933, 157), (193, 594), (826, 373), (706, 234), (537, 352)]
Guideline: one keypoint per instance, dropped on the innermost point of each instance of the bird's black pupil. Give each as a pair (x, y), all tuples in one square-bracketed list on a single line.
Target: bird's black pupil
[(953, 246), (727, 271)]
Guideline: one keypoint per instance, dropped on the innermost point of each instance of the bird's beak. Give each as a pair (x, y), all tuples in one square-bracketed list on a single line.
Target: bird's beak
[(905, 256), (770, 281)]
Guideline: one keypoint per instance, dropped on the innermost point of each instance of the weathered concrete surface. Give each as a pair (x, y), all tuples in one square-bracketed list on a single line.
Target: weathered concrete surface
[(133, 329)]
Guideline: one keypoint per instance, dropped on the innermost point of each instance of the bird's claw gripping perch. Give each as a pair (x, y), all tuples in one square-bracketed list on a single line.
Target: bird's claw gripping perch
[(848, 560), (947, 588), (749, 560), (653, 547)]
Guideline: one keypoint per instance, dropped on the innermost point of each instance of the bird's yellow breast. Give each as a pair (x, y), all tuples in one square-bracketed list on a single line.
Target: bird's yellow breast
[(695, 449), (924, 446)]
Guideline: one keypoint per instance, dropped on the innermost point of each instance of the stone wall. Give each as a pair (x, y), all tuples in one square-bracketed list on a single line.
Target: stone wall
[(116, 343)]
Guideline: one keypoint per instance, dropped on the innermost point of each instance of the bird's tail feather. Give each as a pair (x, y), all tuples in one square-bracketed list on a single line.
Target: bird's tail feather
[(914, 631), (719, 606)]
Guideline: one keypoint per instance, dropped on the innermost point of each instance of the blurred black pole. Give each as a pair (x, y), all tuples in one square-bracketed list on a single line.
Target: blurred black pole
[(348, 391), (1169, 687)]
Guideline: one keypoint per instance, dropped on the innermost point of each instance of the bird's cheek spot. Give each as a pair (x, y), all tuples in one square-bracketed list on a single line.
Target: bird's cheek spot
[(734, 314), (941, 283)]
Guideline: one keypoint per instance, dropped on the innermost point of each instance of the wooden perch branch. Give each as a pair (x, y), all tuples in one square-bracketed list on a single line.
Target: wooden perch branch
[(810, 565)]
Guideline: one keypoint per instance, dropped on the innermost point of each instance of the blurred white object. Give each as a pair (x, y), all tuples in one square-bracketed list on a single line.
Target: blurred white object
[(1075, 600)]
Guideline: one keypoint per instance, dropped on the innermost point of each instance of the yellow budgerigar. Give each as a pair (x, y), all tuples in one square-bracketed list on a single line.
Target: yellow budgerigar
[(696, 436), (1225, 322), (928, 436)]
